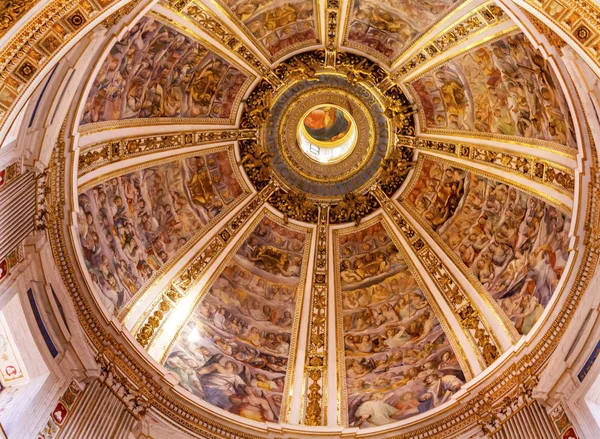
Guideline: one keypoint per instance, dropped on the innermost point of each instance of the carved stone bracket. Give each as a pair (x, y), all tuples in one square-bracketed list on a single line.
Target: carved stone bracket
[(136, 402)]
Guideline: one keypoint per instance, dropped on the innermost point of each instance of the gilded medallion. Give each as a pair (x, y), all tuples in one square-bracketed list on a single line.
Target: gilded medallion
[(327, 137)]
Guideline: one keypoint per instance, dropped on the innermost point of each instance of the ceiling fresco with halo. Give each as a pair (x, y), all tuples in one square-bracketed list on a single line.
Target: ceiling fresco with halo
[(231, 337)]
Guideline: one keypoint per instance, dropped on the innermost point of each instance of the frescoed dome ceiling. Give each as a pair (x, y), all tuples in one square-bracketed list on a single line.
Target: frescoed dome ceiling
[(338, 214)]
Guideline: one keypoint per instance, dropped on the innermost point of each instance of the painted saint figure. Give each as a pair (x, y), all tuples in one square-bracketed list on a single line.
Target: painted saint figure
[(326, 124)]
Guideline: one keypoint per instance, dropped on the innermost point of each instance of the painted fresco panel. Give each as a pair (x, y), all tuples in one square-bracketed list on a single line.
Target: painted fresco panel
[(279, 25), (234, 351), (133, 224), (389, 27), (515, 244), (155, 71), (399, 362), (504, 87)]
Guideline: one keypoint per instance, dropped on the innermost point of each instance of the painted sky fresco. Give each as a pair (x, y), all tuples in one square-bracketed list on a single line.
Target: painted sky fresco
[(399, 362), (516, 245), (155, 71), (234, 351), (131, 225), (503, 87), (279, 25), (389, 27)]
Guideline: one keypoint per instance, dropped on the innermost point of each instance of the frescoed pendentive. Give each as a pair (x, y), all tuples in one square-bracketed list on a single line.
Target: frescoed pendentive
[(279, 25), (234, 351), (389, 27), (504, 87), (515, 244), (399, 361), (131, 225), (155, 71)]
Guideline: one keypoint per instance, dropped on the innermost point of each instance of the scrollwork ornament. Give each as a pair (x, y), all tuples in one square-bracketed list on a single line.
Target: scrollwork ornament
[(353, 208), (395, 168), (295, 205), (302, 66), (256, 162), (359, 69), (316, 355)]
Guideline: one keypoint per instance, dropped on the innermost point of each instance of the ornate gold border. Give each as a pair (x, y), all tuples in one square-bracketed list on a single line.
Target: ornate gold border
[(100, 154), (582, 15), (468, 151), (314, 397), (362, 152)]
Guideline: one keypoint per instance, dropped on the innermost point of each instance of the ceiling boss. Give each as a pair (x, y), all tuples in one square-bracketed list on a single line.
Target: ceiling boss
[(327, 135)]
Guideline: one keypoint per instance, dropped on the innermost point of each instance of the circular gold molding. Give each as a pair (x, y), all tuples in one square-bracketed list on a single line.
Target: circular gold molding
[(348, 165)]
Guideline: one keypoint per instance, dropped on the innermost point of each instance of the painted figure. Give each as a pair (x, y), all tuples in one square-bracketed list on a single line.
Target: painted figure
[(131, 225), (392, 339), (515, 244), (504, 87), (155, 71), (234, 351)]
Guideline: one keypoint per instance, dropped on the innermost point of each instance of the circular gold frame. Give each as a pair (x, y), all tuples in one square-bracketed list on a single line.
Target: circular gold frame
[(321, 144), (348, 165)]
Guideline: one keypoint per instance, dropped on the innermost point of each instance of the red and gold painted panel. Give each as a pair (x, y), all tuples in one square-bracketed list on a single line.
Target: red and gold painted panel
[(62, 411)]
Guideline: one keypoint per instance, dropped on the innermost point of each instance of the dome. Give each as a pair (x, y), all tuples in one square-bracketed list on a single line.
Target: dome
[(299, 219)]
